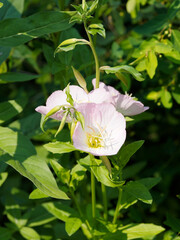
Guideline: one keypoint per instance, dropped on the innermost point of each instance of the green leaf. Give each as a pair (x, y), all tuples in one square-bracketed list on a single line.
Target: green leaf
[(3, 177), (126, 152), (143, 230), (11, 77), (11, 9), (166, 98), (59, 210), (29, 233), (97, 28), (102, 174), (23, 158), (151, 64), (60, 147), (93, 6), (176, 94), (14, 32), (160, 21), (39, 216), (77, 175), (11, 108), (5, 233), (36, 170), (1, 4), (70, 44), (175, 36), (72, 225), (62, 173), (138, 191), (173, 223), (37, 194), (15, 144), (124, 68), (149, 182)]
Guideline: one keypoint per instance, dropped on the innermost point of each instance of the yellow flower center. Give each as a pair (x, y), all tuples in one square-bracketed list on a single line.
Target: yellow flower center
[(94, 141)]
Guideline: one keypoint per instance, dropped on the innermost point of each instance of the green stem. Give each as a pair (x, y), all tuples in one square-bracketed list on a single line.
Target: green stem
[(117, 206), (103, 188), (93, 195), (79, 209), (95, 56)]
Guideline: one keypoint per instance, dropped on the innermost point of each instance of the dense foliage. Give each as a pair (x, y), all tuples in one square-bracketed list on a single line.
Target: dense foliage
[(143, 34)]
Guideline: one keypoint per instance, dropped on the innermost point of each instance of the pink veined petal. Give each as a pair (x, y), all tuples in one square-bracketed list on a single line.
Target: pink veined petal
[(101, 84), (78, 94), (100, 95), (104, 131), (57, 98), (126, 105)]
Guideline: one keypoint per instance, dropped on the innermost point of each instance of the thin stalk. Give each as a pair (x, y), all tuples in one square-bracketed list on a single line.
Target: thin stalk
[(117, 206), (95, 56), (79, 209), (104, 194), (93, 195)]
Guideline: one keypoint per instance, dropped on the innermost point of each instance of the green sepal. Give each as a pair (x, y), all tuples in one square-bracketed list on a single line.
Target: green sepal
[(69, 98), (80, 118), (53, 111), (63, 121), (42, 122), (80, 79)]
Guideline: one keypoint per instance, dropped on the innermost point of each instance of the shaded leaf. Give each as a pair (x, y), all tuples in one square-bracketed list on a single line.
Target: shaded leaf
[(11, 77), (14, 32)]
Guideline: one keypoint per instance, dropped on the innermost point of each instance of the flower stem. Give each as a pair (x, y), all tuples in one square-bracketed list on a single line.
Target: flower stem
[(79, 209), (95, 55), (103, 188), (93, 195), (117, 206)]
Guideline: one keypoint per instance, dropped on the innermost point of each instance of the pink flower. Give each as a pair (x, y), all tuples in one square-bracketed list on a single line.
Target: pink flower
[(104, 132), (58, 98), (124, 104)]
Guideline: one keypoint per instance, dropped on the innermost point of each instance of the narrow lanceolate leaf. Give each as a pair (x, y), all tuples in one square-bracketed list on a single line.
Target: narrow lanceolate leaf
[(142, 230), (14, 32), (123, 68), (60, 147), (11, 108), (12, 77), (70, 44)]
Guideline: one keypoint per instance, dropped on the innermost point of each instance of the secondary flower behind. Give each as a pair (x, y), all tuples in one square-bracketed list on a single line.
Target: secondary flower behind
[(104, 131)]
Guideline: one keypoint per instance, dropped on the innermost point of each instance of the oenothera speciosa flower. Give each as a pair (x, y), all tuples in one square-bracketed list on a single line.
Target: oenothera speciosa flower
[(59, 98), (104, 131), (124, 104)]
